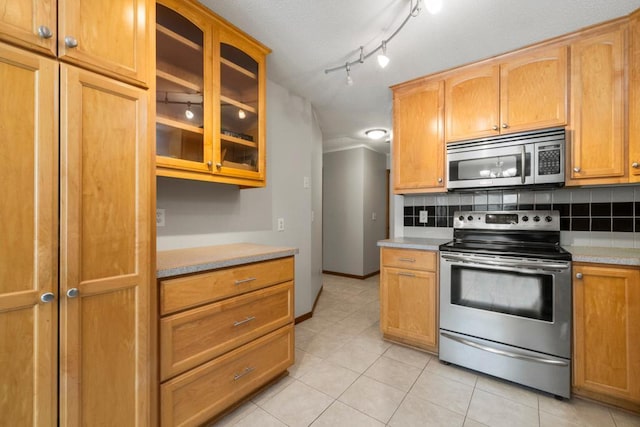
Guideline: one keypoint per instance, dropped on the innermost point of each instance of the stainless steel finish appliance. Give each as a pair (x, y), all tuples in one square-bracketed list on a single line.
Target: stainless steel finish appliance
[(520, 159), (505, 298)]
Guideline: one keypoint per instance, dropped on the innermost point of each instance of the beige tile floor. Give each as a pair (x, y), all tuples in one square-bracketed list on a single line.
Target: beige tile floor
[(346, 375)]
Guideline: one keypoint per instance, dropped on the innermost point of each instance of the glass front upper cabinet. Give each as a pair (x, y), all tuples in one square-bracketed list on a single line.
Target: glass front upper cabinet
[(180, 108), (210, 97)]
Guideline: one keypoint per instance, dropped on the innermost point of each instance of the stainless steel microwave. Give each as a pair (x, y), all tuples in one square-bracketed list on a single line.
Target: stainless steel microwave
[(533, 158)]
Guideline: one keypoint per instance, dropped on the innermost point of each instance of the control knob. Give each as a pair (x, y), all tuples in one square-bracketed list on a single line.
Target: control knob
[(470, 217), (536, 218), (548, 218), (525, 218), (461, 218)]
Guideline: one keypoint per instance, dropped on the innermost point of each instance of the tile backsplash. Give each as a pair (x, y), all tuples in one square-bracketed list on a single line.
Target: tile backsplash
[(612, 210)]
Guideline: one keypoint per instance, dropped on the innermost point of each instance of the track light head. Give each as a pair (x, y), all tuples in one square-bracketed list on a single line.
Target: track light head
[(383, 59)]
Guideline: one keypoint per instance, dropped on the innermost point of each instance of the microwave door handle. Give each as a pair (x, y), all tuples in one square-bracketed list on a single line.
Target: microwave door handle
[(523, 160)]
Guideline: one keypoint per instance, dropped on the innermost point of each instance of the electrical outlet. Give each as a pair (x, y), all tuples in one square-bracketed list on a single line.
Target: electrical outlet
[(374, 216), (306, 182), (280, 224), (424, 217), (160, 217)]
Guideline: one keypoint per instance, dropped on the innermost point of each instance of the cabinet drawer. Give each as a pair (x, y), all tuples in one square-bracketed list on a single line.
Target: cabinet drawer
[(412, 259), (202, 393), (184, 292), (193, 337)]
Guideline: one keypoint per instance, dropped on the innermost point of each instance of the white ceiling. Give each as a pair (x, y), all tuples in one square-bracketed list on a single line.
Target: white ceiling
[(308, 36)]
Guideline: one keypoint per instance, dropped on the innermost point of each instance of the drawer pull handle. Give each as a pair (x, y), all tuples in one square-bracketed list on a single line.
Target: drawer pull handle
[(246, 371), (242, 322), (240, 282), (407, 259), (406, 274)]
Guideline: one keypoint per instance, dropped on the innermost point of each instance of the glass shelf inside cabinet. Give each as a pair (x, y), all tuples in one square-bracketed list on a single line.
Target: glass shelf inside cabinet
[(238, 109), (179, 86)]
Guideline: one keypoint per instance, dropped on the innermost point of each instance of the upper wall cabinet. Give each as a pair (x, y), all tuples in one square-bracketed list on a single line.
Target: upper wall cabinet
[(210, 91), (634, 96), (597, 149), (109, 37), (522, 92), (418, 143)]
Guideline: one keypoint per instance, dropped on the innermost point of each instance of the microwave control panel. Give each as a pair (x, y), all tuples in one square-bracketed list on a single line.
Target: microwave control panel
[(549, 159)]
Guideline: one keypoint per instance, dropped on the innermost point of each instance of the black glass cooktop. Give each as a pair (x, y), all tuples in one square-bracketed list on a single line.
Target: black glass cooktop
[(519, 249)]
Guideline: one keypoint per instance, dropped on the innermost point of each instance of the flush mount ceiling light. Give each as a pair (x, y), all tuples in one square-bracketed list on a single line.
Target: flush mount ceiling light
[(433, 6), (375, 133)]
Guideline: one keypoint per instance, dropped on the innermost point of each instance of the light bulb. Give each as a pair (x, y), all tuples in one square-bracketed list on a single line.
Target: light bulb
[(433, 6), (383, 59), (376, 133), (188, 113), (242, 114)]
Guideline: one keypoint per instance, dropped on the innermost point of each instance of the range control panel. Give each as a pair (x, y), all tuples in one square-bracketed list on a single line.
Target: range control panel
[(507, 220)]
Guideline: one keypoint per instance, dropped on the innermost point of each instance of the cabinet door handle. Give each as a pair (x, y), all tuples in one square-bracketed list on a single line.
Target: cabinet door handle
[(504, 126), (495, 127), (407, 259), (242, 322), (44, 32), (70, 41), (241, 281), (406, 274), (440, 180), (47, 297), (578, 275), (218, 165), (635, 165), (576, 169), (246, 371), (72, 293)]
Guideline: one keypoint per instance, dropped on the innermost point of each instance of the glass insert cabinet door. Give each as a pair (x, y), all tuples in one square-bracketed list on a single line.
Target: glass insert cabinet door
[(241, 144), (180, 79)]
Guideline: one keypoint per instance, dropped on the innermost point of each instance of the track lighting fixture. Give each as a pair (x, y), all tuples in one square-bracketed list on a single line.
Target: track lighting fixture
[(433, 6), (383, 59), (349, 79), (188, 113)]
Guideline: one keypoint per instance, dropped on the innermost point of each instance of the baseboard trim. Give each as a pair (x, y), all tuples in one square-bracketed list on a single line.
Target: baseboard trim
[(309, 315), (351, 276)]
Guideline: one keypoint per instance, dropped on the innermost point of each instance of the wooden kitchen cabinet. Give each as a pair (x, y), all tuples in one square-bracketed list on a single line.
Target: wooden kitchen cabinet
[(106, 37), (223, 334), (105, 251), (634, 97), (28, 250), (418, 143), (606, 310), (218, 74), (598, 149), (523, 91), (75, 262), (408, 297)]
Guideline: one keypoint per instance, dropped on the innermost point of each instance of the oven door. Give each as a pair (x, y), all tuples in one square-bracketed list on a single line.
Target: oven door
[(515, 301), (490, 167)]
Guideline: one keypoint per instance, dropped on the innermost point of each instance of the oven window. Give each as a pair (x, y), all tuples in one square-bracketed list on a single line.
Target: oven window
[(507, 166), (518, 294)]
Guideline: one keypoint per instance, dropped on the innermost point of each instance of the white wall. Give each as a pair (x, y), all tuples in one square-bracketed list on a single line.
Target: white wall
[(354, 187), (202, 214)]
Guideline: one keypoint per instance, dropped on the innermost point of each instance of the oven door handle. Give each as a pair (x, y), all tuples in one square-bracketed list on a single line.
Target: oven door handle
[(523, 164), (505, 263), (511, 354)]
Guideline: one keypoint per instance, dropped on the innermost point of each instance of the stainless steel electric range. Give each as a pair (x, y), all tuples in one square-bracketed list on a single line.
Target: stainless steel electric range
[(505, 298)]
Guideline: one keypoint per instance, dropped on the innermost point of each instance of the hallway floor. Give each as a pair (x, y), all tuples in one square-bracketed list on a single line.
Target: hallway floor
[(346, 375)]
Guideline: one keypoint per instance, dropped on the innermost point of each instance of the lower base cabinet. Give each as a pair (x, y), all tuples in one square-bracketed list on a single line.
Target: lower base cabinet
[(606, 360), (224, 334), (409, 296)]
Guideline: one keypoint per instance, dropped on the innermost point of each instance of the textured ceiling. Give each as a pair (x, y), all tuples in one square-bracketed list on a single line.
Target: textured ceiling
[(308, 36)]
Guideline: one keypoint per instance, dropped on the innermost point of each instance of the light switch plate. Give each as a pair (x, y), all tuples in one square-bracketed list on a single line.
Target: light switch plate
[(424, 217)]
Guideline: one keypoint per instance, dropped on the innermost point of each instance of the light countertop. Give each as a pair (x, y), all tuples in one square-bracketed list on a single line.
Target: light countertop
[(192, 260), (596, 255), (421, 243)]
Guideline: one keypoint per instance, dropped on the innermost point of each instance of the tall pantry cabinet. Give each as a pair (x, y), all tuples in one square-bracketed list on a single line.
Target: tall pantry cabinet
[(75, 253)]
